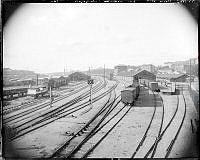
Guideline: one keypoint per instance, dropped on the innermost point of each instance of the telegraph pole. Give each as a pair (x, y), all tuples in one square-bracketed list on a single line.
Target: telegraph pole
[(90, 83), (50, 91), (132, 76), (190, 74), (37, 80), (104, 75), (90, 93), (50, 97)]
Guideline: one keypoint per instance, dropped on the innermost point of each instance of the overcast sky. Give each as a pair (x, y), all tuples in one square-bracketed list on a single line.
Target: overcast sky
[(48, 37)]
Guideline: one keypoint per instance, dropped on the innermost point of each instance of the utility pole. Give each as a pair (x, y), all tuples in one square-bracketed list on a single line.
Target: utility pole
[(50, 97), (104, 76), (90, 93), (37, 80), (132, 76), (89, 73), (190, 74), (90, 83)]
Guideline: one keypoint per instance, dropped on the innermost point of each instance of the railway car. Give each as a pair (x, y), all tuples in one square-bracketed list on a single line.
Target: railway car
[(37, 91), (154, 86), (129, 95)]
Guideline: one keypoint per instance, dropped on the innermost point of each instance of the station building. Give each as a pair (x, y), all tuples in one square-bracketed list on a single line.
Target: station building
[(145, 75)]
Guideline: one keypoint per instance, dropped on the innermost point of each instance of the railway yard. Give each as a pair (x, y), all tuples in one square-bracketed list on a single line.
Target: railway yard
[(156, 125)]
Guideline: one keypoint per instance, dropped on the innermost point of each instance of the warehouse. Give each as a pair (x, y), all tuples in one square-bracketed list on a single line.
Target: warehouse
[(144, 74), (145, 77), (78, 76), (57, 82), (179, 78), (172, 77)]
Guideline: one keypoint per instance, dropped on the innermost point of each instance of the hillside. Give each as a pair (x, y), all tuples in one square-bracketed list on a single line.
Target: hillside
[(100, 71), (10, 74)]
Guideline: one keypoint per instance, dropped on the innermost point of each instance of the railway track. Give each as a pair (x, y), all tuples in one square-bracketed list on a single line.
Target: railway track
[(19, 117), (154, 146), (7, 110), (159, 138), (71, 149), (177, 133), (70, 153), (90, 125), (29, 127), (140, 144), (94, 146), (41, 106)]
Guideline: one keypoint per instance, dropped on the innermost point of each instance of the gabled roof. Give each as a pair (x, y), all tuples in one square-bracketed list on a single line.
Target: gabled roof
[(143, 71), (170, 76), (61, 78)]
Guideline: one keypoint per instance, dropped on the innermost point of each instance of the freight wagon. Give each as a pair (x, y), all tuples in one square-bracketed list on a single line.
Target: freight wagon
[(129, 95), (154, 86)]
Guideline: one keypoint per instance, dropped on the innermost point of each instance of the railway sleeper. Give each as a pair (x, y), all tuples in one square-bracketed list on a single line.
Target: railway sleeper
[(169, 147)]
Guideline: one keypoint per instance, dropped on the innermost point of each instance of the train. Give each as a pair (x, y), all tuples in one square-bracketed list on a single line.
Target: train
[(151, 85), (37, 91), (154, 86), (129, 95)]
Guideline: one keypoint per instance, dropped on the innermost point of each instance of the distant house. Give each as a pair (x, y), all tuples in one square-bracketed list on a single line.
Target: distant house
[(169, 64), (149, 67), (78, 76), (120, 68)]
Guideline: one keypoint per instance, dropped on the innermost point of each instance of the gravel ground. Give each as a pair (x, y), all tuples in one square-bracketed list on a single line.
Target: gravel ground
[(123, 140), (41, 142)]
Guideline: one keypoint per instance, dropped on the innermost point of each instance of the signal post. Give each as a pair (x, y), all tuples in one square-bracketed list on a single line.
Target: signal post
[(90, 82)]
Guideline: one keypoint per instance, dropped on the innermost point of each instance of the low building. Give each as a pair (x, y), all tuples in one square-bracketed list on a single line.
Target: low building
[(144, 74), (78, 76), (172, 77), (179, 78)]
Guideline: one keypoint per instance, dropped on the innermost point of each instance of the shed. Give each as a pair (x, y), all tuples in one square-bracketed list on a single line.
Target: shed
[(78, 76), (144, 74), (179, 78)]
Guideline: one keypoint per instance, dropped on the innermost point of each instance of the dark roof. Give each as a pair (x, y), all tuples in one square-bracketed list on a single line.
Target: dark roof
[(170, 76), (143, 71), (62, 78), (14, 88)]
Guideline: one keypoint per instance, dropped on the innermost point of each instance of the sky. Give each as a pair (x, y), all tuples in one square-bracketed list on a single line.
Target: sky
[(50, 37)]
